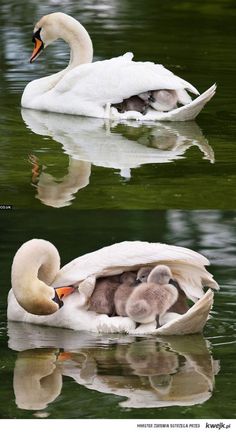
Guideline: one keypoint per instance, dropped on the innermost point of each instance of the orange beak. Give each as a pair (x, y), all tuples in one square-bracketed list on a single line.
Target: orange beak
[(61, 292), (38, 46), (64, 356), (64, 291)]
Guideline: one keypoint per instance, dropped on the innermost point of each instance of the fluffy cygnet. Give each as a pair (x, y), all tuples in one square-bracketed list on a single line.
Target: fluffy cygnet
[(152, 298), (134, 103), (102, 299), (181, 305), (161, 100), (128, 281), (164, 100), (142, 274)]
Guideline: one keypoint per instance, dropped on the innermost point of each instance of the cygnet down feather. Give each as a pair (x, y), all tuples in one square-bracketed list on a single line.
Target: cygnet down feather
[(128, 281), (102, 299), (152, 298)]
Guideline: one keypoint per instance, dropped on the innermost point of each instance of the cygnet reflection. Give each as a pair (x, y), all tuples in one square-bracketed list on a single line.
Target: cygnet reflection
[(152, 372), (103, 143)]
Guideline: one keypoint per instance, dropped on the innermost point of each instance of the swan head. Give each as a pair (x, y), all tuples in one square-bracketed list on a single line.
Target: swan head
[(161, 274), (59, 25), (46, 31), (34, 268)]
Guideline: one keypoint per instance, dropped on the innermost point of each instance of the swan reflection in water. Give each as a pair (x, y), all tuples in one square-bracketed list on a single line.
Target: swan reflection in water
[(148, 372), (103, 143)]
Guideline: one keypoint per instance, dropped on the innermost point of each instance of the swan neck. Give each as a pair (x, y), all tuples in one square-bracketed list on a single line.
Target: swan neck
[(80, 54), (81, 47), (34, 268)]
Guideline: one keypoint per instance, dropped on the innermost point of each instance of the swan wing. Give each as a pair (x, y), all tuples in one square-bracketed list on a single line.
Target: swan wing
[(111, 81), (91, 89), (188, 266), (192, 322)]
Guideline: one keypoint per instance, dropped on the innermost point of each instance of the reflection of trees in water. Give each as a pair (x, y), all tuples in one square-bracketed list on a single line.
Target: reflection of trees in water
[(147, 373), (213, 233)]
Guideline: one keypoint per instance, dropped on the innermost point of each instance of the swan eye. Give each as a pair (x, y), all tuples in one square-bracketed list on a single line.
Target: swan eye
[(60, 292), (38, 45), (58, 300), (36, 35)]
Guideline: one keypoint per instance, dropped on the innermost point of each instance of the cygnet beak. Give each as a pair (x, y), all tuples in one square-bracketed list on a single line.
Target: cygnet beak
[(61, 292)]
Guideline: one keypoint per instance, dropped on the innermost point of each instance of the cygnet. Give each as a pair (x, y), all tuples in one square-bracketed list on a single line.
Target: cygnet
[(161, 100), (134, 103), (153, 298), (102, 299), (181, 305), (128, 281), (143, 272)]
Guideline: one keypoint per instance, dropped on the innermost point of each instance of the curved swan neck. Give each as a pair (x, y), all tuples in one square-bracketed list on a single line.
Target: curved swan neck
[(34, 267), (71, 31), (81, 47)]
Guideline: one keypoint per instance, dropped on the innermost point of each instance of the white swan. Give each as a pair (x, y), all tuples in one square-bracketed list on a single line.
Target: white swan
[(36, 273), (92, 89)]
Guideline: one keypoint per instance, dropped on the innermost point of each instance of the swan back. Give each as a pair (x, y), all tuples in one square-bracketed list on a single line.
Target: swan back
[(187, 266), (34, 267)]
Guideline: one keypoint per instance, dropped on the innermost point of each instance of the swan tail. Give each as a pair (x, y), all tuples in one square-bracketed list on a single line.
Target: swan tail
[(183, 97), (190, 110), (186, 112), (191, 322)]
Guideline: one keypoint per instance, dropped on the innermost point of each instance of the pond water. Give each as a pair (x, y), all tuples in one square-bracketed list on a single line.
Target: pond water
[(60, 161), (84, 183), (51, 373)]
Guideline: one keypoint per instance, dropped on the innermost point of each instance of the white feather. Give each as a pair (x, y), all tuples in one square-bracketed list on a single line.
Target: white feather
[(88, 89), (187, 266)]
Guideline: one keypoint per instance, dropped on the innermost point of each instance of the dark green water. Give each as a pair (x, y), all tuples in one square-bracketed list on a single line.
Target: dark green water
[(114, 182), (164, 167)]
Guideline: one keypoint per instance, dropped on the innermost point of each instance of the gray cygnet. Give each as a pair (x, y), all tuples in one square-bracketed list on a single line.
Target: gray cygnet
[(180, 306), (128, 281), (153, 298), (102, 299)]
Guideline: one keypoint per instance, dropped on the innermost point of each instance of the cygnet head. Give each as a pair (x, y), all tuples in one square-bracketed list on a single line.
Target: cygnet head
[(161, 274), (128, 278), (143, 273)]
